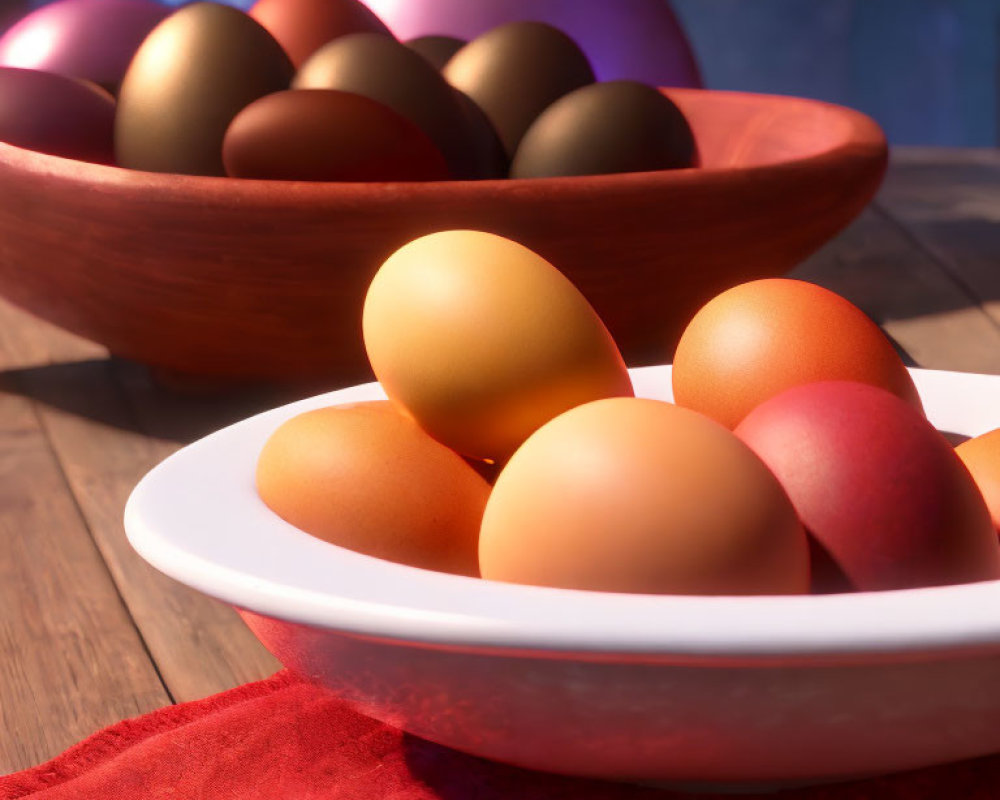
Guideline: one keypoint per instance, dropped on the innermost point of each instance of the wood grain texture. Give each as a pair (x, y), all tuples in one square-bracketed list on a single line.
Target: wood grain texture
[(934, 318), (103, 446), (949, 203), (200, 645), (71, 659), (266, 279)]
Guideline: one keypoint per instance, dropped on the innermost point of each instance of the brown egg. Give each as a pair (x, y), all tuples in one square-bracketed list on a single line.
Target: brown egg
[(392, 74), (484, 148), (367, 478), (759, 338), (303, 26), (326, 135), (436, 49), (981, 456), (55, 114), (515, 71), (618, 126), (634, 495), (483, 341), (187, 81)]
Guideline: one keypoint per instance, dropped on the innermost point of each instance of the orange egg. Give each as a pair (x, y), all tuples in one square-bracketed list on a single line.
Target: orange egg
[(636, 495), (303, 26), (367, 478), (482, 341), (759, 338), (981, 457)]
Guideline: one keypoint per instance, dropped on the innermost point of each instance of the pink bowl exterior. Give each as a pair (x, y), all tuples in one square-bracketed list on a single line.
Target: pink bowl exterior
[(657, 720)]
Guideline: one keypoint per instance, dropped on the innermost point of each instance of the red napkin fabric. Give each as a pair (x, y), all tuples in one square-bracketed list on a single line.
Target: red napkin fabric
[(283, 738)]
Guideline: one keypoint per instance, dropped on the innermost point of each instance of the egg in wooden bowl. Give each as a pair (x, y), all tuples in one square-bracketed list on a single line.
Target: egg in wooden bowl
[(264, 279)]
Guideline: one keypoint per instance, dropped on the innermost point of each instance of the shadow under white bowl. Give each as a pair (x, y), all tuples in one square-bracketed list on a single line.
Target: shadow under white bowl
[(714, 690)]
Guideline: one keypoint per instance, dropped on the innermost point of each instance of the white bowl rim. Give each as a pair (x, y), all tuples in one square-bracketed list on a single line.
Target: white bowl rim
[(197, 517)]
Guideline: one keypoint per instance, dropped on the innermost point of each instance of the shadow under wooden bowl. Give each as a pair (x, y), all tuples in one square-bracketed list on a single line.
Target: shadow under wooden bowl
[(249, 279)]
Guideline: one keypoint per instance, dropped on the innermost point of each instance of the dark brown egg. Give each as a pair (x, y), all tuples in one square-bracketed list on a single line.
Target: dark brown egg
[(394, 75), (436, 49), (489, 159), (188, 79), (619, 126), (515, 71), (326, 135), (55, 114), (303, 26)]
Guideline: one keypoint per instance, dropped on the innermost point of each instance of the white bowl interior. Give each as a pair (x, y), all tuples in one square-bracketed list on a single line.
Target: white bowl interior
[(197, 517)]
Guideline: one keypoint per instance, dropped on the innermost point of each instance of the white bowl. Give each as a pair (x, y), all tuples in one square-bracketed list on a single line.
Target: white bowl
[(716, 690)]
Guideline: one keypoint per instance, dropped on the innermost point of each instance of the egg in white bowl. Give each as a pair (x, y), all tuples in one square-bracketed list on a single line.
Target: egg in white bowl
[(723, 691)]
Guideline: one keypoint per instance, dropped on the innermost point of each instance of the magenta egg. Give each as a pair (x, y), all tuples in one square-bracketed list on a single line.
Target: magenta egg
[(91, 39), (56, 114), (640, 40)]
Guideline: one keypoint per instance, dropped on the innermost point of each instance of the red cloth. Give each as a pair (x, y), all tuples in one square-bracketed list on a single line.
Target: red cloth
[(282, 738)]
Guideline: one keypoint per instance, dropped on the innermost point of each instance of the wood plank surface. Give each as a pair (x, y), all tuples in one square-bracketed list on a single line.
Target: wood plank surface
[(200, 645), (950, 204), (104, 446), (90, 634), (936, 321), (71, 659)]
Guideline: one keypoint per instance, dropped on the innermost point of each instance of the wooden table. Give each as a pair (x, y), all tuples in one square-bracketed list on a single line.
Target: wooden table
[(90, 634)]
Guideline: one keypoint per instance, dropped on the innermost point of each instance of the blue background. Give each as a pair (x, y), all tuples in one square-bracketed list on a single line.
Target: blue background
[(925, 69)]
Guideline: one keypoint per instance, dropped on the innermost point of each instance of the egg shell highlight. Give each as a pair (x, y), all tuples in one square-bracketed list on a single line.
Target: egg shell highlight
[(636, 495), (194, 72), (759, 338), (483, 341), (90, 39)]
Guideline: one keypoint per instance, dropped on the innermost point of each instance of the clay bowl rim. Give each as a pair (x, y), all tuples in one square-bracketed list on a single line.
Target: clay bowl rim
[(858, 132), (287, 574)]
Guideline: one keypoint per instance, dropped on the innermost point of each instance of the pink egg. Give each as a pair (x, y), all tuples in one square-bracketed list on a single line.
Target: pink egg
[(885, 497), (636, 39), (91, 39)]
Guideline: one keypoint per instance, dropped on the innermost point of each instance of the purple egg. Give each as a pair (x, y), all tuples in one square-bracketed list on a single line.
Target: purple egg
[(55, 114), (91, 39), (640, 40)]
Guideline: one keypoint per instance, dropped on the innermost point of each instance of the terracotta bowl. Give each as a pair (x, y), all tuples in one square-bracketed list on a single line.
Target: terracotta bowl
[(264, 279)]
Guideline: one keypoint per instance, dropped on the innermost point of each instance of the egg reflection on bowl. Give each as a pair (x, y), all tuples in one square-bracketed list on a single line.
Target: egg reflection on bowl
[(729, 691), (266, 279)]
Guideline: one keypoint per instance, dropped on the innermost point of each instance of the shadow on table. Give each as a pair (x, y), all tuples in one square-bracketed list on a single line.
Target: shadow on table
[(125, 395)]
